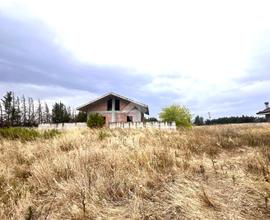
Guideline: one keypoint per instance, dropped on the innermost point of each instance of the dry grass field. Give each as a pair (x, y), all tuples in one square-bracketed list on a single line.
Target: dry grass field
[(215, 172)]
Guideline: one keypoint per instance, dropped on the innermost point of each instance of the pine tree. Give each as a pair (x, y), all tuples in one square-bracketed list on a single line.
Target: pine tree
[(47, 114), (39, 113), (68, 117), (17, 112), (31, 112), (81, 117), (199, 120), (7, 104), (13, 110), (73, 115), (60, 113), (24, 111)]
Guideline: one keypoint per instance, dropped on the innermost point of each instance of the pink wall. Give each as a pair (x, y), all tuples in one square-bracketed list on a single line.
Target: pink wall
[(101, 107)]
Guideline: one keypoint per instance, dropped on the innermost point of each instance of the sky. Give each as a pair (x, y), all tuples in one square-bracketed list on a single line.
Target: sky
[(210, 56)]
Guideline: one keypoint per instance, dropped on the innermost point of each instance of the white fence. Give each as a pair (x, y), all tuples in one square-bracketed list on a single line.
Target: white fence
[(158, 125), (62, 126)]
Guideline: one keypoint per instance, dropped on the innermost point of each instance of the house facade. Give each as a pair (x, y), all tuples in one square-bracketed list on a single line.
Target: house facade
[(116, 108), (265, 112)]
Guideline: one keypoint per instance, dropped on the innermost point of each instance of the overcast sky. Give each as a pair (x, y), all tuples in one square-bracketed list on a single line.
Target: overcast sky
[(211, 56)]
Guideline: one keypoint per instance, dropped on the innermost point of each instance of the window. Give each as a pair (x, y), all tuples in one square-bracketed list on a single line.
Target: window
[(129, 119), (117, 104), (109, 105)]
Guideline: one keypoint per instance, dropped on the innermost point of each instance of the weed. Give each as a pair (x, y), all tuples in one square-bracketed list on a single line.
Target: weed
[(102, 135)]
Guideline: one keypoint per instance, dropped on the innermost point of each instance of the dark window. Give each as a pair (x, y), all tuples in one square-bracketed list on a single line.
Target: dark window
[(117, 104), (109, 105), (129, 119)]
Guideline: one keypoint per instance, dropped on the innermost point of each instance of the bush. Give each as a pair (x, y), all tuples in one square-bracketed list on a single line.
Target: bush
[(95, 121), (180, 114), (81, 117), (26, 134)]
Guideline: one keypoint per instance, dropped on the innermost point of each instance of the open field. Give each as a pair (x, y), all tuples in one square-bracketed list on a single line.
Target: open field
[(217, 172)]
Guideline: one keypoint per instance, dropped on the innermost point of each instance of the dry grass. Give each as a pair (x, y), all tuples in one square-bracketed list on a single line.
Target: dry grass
[(217, 172)]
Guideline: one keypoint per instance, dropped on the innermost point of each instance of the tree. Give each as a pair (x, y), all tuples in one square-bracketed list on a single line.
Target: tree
[(24, 111), (13, 111), (7, 104), (95, 121), (69, 115), (17, 112), (47, 115), (59, 113), (81, 117), (73, 115), (39, 112), (151, 119), (31, 112), (178, 114), (1, 116), (199, 120), (234, 120)]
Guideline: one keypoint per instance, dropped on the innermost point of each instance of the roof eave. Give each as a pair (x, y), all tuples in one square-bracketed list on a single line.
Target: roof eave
[(263, 113), (80, 108)]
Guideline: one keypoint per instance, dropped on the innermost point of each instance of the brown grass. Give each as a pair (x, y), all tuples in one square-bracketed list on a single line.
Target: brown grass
[(217, 172)]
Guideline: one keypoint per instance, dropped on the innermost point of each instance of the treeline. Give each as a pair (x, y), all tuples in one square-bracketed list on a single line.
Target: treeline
[(228, 120), (23, 111)]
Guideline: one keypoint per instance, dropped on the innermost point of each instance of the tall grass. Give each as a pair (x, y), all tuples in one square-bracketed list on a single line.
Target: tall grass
[(216, 172), (26, 134)]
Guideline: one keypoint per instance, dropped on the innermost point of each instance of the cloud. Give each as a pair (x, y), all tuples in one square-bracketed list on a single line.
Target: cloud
[(31, 60), (210, 56), (49, 93)]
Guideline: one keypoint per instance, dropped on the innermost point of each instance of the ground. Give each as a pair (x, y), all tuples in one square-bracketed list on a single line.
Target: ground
[(215, 172)]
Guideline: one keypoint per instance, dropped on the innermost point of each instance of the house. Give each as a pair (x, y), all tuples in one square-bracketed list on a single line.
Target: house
[(265, 112), (116, 108)]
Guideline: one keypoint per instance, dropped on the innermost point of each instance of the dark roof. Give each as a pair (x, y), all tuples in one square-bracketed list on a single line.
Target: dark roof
[(143, 106), (263, 112)]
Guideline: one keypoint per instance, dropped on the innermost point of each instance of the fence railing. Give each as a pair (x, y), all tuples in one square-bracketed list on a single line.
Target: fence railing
[(158, 125), (62, 125)]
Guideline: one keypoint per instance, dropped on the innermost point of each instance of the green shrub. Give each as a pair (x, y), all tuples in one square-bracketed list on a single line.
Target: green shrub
[(26, 134), (178, 114), (47, 134), (95, 121), (81, 117), (102, 135)]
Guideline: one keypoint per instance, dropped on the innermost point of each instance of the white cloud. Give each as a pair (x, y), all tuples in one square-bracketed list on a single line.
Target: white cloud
[(49, 94), (199, 39), (196, 50)]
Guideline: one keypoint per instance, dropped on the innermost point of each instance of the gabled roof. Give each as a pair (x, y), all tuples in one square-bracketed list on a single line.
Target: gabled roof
[(145, 107), (264, 112)]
